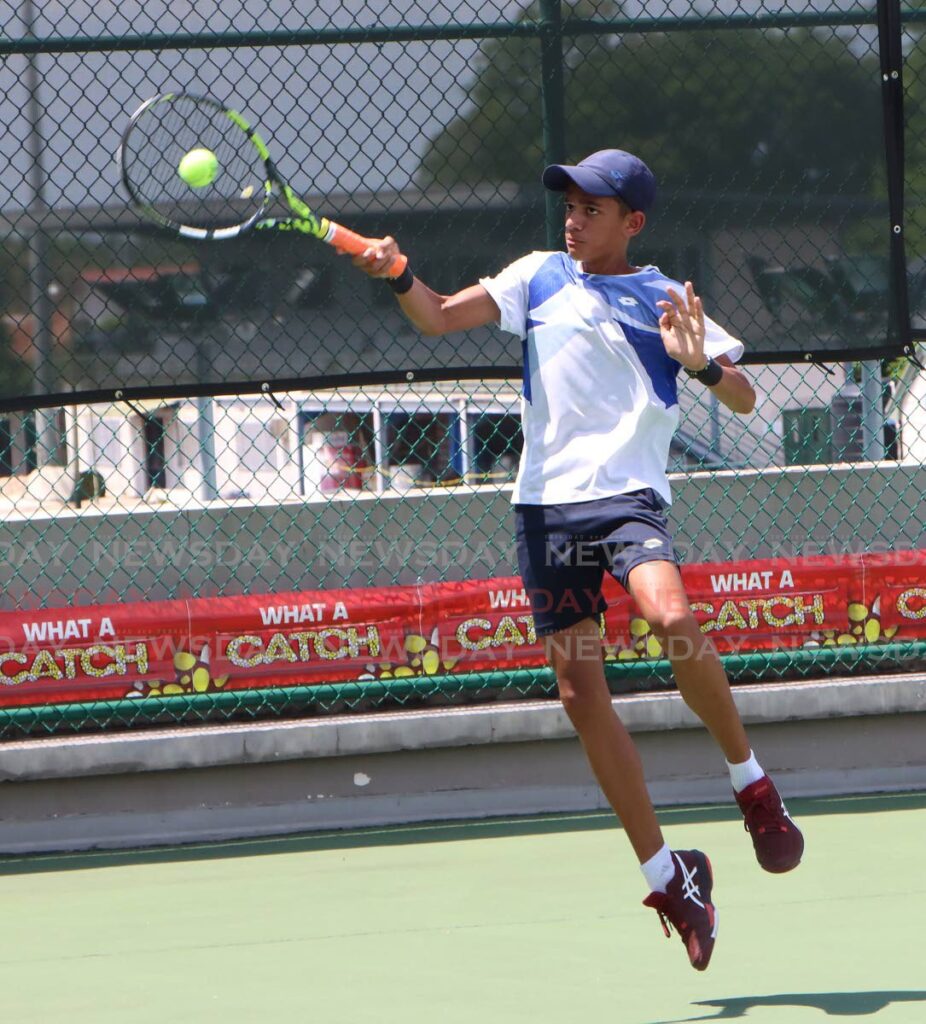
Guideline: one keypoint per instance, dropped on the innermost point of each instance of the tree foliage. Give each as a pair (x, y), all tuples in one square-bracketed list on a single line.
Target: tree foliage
[(732, 110)]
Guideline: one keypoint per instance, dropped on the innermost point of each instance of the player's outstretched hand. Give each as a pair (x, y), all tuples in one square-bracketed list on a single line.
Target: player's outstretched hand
[(682, 327), (378, 258)]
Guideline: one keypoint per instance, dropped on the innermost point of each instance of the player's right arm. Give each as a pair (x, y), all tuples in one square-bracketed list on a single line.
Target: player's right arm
[(430, 312)]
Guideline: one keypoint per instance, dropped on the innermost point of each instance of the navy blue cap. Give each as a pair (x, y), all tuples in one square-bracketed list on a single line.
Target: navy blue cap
[(609, 172)]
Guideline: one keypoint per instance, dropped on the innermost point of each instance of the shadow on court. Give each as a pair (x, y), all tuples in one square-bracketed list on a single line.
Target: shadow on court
[(435, 832), (833, 1004)]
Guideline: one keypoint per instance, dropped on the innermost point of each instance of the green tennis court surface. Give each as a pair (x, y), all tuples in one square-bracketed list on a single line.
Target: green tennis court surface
[(506, 921)]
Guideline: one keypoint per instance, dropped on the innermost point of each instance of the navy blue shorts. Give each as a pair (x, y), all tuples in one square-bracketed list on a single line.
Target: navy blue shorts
[(564, 551)]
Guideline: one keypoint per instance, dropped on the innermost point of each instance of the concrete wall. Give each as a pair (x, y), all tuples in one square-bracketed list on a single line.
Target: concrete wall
[(82, 557), (195, 784)]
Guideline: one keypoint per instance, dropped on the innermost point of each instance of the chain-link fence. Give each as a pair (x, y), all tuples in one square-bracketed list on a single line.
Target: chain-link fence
[(236, 481)]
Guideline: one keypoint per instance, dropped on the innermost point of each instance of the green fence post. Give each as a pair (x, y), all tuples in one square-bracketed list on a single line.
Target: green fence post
[(39, 248), (551, 85)]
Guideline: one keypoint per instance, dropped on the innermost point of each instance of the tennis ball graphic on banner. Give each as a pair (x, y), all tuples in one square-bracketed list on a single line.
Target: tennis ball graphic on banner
[(199, 168)]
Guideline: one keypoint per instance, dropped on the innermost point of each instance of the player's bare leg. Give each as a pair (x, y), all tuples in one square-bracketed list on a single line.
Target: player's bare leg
[(576, 656), (659, 593), (681, 880)]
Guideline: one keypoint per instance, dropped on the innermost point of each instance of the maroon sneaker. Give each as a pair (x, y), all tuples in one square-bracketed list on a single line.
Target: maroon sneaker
[(777, 840), (686, 905)]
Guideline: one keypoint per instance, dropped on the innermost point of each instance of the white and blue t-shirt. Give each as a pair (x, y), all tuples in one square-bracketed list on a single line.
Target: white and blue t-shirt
[(600, 399)]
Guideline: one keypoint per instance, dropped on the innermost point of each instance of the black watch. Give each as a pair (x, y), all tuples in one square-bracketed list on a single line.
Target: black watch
[(710, 374)]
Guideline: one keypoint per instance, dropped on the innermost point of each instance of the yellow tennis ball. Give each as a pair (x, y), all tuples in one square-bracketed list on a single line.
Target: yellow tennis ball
[(199, 167)]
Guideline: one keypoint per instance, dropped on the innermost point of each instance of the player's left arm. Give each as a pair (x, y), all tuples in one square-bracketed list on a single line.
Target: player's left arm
[(734, 389), (683, 330)]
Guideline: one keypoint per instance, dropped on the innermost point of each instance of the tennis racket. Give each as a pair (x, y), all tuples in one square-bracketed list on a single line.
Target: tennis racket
[(239, 197)]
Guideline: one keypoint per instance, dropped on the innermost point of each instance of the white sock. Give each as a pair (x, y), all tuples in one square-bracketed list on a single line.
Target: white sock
[(659, 869), (746, 773)]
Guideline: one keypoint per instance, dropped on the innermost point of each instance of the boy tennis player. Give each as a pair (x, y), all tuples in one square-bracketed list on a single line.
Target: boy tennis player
[(604, 343)]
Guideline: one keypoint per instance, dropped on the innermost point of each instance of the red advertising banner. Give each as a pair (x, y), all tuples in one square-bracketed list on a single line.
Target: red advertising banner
[(207, 645), (894, 594), (771, 604), (60, 655)]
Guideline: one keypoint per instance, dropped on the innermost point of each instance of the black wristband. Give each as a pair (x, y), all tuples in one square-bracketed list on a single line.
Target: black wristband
[(403, 283), (709, 375)]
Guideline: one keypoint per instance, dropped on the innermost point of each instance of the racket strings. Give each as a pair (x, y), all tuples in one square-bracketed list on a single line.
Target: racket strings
[(164, 133)]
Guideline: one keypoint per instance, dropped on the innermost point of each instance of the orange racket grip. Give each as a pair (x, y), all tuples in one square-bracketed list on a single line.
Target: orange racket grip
[(345, 240)]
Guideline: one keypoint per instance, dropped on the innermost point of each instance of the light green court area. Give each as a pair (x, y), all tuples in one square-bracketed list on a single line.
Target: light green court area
[(534, 921)]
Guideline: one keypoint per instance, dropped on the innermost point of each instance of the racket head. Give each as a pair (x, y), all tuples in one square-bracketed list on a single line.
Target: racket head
[(167, 127)]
